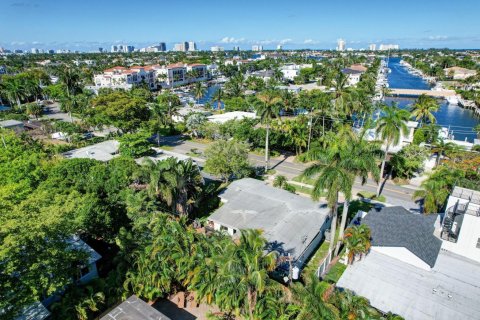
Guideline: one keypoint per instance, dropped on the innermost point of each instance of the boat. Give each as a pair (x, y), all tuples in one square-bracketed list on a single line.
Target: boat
[(453, 100)]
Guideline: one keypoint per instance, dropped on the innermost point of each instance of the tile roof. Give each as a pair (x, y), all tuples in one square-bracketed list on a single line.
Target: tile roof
[(398, 227)]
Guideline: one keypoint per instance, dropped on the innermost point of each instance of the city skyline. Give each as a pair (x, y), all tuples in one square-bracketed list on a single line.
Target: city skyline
[(307, 25)]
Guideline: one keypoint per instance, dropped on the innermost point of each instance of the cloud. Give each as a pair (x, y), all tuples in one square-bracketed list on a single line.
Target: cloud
[(24, 4), (438, 38), (232, 40), (285, 41), (309, 41)]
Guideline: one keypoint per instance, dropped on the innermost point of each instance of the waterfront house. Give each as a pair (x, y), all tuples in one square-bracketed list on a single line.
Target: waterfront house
[(293, 225), (458, 73), (408, 272), (103, 151), (353, 76)]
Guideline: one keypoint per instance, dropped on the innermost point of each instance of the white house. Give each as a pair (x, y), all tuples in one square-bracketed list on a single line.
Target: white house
[(14, 125), (126, 78), (408, 272), (234, 115), (353, 75)]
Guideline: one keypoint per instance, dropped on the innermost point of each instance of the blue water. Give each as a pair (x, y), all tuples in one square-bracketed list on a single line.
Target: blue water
[(207, 98), (461, 121)]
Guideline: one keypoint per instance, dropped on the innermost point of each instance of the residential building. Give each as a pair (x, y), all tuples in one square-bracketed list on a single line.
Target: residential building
[(179, 74), (257, 48), (353, 76), (458, 73), (293, 225), (18, 51), (126, 78), (217, 49), (358, 67), (460, 228), (114, 49), (234, 115), (134, 309), (341, 45), (103, 151), (14, 125), (371, 135), (385, 47), (192, 46), (408, 272), (372, 47), (292, 70), (162, 46)]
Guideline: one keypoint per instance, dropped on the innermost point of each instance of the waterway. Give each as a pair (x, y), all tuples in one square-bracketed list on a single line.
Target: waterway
[(460, 121)]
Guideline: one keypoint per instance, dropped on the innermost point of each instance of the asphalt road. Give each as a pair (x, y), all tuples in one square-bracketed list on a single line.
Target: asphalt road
[(394, 194)]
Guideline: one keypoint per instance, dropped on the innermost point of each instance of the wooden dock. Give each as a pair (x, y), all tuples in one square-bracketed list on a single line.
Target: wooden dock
[(417, 92)]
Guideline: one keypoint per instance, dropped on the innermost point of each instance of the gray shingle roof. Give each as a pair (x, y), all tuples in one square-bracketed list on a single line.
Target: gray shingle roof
[(398, 227), (288, 221)]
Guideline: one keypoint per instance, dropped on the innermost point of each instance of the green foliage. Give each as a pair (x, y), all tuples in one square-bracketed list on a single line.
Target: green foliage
[(236, 104), (409, 160), (135, 144), (227, 159)]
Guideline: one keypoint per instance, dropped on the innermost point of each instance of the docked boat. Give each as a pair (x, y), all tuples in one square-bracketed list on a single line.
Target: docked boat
[(452, 100)]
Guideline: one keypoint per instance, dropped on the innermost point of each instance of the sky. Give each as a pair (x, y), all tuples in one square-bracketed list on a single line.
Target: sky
[(314, 24)]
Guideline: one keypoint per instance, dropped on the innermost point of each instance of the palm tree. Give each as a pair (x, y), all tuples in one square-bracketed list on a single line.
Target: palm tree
[(357, 240), (34, 109), (354, 307), (71, 79), (314, 300), (390, 127), (199, 91), (13, 89), (280, 181), (434, 192), (178, 183), (170, 104), (243, 273), (217, 97), (267, 107), (441, 148), (424, 108)]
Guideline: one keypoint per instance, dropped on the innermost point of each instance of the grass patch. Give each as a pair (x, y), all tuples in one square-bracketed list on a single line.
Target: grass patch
[(271, 171), (354, 207), (166, 148), (371, 196), (334, 274), (303, 179), (261, 152), (302, 189), (319, 255)]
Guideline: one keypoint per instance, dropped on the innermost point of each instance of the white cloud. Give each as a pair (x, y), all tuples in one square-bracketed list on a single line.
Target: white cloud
[(285, 41), (309, 41), (438, 38), (232, 40)]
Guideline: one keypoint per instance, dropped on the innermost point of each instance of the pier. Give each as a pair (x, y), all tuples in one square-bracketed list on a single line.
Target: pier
[(419, 92)]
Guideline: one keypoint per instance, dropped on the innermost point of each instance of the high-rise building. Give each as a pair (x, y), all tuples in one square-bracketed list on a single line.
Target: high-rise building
[(341, 45), (217, 49), (35, 51), (128, 48), (18, 51), (257, 48), (372, 47), (182, 47), (114, 49), (279, 47), (162, 47), (236, 48), (192, 46), (51, 51)]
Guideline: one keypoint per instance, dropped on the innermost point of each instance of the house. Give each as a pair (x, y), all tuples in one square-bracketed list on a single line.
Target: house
[(358, 67), (103, 151), (408, 273), (353, 76), (290, 71), (125, 78), (134, 309), (14, 125), (371, 135), (460, 230), (234, 115), (292, 224), (458, 73), (35, 311)]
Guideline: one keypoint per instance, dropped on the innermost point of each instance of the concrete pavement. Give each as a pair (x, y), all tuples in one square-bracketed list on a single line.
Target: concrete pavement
[(394, 194)]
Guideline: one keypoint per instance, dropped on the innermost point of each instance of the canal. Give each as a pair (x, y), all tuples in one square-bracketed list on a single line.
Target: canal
[(460, 121)]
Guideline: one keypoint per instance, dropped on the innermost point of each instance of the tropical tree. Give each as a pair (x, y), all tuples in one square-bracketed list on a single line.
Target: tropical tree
[(195, 121), (13, 89), (168, 105), (352, 306), (176, 182), (314, 300), (391, 126), (71, 79), (441, 148), (199, 91), (243, 274), (424, 108), (434, 193), (282, 182), (267, 106), (218, 97), (34, 109), (357, 240), (227, 159)]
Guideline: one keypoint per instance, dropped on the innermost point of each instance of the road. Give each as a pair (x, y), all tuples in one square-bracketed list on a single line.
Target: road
[(394, 194)]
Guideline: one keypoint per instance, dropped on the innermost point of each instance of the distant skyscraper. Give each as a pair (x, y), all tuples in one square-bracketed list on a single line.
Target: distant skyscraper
[(279, 47), (192, 46), (114, 49), (100, 50), (217, 49), (128, 48), (341, 44), (51, 51), (236, 48), (182, 47), (162, 46), (18, 51), (35, 51), (257, 48), (372, 47)]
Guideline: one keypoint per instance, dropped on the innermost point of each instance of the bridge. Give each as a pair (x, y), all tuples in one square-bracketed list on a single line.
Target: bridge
[(417, 92)]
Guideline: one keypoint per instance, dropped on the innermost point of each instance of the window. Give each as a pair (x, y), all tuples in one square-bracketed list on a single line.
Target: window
[(478, 243)]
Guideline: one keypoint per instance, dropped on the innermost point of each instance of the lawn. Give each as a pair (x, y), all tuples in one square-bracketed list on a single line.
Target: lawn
[(166, 148), (305, 180), (371, 196), (334, 274), (302, 189)]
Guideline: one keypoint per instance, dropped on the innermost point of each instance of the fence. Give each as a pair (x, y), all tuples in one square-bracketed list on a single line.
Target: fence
[(323, 268)]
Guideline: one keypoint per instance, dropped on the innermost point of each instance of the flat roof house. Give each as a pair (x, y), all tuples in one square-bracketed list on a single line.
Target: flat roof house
[(103, 151), (407, 272), (291, 224), (134, 309)]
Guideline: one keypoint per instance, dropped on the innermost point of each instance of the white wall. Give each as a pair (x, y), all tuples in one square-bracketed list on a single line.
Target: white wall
[(404, 255)]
